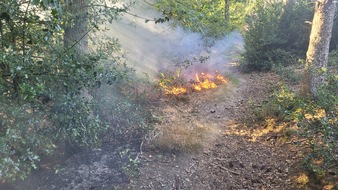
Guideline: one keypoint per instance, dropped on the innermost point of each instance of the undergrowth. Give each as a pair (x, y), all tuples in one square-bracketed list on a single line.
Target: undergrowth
[(316, 127), (127, 106)]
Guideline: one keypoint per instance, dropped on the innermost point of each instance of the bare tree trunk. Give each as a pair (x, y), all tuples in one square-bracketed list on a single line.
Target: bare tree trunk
[(318, 50), (76, 35), (226, 10)]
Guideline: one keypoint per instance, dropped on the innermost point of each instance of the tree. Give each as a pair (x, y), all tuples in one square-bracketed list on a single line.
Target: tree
[(226, 10), (211, 18), (75, 39), (41, 80), (318, 50), (77, 33)]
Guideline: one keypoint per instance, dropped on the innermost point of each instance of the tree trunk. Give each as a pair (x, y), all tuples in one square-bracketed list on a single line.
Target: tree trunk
[(76, 38), (76, 35), (226, 10), (318, 50)]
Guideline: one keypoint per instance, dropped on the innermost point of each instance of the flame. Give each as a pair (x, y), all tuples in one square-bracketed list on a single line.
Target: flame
[(203, 81), (207, 81), (205, 84), (173, 90), (221, 78)]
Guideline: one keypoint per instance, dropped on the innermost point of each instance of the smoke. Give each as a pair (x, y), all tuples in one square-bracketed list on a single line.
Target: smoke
[(152, 48)]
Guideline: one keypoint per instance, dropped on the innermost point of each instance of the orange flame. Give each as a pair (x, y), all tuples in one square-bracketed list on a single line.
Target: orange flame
[(221, 78), (208, 81), (173, 90), (203, 81), (205, 84)]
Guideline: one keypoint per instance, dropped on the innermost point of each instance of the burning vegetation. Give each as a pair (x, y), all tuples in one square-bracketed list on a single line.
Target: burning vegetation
[(176, 85)]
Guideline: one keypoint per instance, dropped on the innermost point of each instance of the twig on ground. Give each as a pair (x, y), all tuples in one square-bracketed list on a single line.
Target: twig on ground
[(141, 147), (231, 171)]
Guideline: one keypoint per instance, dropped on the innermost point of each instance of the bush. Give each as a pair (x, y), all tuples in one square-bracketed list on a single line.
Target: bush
[(317, 124), (294, 26), (276, 34), (265, 60)]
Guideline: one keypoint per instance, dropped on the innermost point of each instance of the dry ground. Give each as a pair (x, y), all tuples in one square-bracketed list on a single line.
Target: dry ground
[(228, 149)]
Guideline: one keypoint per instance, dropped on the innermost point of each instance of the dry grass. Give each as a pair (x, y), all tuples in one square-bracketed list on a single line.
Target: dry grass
[(185, 138)]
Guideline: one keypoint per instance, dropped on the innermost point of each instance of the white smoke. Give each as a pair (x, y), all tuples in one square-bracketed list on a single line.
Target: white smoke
[(152, 48)]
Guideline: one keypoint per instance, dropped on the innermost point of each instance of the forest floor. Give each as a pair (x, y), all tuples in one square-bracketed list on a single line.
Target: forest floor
[(238, 153), (232, 151)]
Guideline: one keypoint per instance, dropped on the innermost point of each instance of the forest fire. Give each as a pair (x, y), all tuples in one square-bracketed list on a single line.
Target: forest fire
[(202, 81), (173, 90)]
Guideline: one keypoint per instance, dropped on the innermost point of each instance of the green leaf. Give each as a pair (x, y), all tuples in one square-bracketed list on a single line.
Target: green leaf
[(35, 2), (54, 13), (324, 70), (45, 3)]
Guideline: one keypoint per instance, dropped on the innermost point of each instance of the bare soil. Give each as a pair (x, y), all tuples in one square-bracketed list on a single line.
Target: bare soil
[(240, 155)]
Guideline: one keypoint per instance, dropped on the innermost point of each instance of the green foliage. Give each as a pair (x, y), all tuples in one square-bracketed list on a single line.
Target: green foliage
[(132, 168), (320, 126), (205, 16), (291, 74), (48, 91), (261, 39), (126, 104), (19, 142), (276, 34), (333, 59), (280, 105), (294, 26), (317, 124)]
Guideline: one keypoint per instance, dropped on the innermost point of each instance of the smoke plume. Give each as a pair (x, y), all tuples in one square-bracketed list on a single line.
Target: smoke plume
[(152, 48)]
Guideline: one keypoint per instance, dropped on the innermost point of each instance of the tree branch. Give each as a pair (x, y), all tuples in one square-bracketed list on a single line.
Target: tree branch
[(24, 34)]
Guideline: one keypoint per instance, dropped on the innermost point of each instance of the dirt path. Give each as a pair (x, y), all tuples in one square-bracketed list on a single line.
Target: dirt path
[(240, 157)]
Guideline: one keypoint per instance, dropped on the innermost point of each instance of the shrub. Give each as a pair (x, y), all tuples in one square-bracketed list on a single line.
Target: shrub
[(294, 26), (317, 123), (276, 34)]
